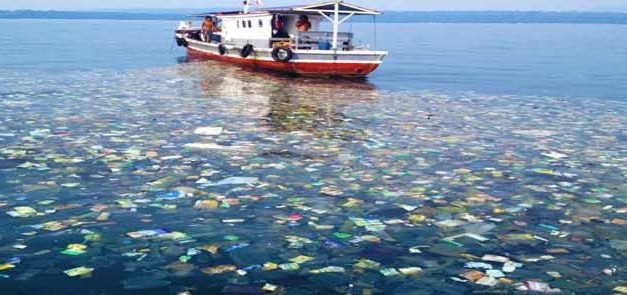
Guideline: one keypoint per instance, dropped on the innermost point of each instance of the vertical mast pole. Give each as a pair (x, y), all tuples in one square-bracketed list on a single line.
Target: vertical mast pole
[(246, 6), (374, 22), (336, 23)]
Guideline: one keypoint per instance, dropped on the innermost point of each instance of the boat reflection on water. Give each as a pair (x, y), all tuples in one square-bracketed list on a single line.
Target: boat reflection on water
[(282, 103)]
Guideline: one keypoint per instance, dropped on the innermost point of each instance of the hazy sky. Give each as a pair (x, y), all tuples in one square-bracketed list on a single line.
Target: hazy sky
[(379, 4)]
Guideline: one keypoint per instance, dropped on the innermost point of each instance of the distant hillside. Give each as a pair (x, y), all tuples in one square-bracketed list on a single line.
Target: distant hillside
[(53, 14), (505, 17), (388, 17)]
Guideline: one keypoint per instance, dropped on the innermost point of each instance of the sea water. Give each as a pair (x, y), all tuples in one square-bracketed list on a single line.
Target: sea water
[(478, 158)]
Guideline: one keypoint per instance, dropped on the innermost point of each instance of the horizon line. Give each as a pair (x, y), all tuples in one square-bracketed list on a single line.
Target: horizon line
[(172, 10)]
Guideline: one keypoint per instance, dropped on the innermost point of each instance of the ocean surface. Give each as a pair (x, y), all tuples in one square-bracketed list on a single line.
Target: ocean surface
[(534, 59), (480, 158)]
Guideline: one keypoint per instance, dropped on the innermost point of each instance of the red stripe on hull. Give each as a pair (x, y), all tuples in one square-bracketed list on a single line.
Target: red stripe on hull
[(352, 70)]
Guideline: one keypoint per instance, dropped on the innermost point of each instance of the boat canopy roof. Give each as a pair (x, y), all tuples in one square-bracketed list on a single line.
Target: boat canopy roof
[(310, 9)]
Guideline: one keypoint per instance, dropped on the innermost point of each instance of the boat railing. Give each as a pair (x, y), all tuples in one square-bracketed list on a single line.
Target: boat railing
[(322, 40)]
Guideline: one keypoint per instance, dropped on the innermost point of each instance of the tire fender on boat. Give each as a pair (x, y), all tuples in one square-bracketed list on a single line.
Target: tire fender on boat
[(247, 50), (282, 54), (181, 42), (222, 49)]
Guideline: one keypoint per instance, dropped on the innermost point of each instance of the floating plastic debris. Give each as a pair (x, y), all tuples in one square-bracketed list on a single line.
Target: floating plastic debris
[(79, 271), (307, 188), (208, 131)]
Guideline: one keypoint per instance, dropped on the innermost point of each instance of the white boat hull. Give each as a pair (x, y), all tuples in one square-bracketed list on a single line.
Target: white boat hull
[(353, 64)]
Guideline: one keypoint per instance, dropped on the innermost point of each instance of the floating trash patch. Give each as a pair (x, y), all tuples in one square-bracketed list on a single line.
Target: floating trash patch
[(205, 179)]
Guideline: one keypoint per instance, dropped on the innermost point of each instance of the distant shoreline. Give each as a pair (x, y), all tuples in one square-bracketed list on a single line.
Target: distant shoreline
[(512, 17)]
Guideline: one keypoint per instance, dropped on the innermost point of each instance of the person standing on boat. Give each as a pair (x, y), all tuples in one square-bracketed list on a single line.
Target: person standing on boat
[(303, 24), (278, 24), (207, 29)]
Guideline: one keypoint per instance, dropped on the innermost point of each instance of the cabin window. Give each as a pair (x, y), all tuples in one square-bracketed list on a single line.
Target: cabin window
[(261, 23), (250, 24), (238, 24)]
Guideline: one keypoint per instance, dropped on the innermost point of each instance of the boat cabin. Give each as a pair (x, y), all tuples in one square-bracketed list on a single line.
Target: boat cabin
[(293, 40), (298, 27)]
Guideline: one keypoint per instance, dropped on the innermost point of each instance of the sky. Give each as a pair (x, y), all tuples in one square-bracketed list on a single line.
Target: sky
[(560, 5)]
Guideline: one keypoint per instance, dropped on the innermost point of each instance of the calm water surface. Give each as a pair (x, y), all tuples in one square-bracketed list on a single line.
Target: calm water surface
[(556, 60), (479, 158)]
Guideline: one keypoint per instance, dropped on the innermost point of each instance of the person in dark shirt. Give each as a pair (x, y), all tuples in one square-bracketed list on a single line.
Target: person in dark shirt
[(279, 26)]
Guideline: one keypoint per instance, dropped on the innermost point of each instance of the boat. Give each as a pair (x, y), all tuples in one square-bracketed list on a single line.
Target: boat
[(288, 40)]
